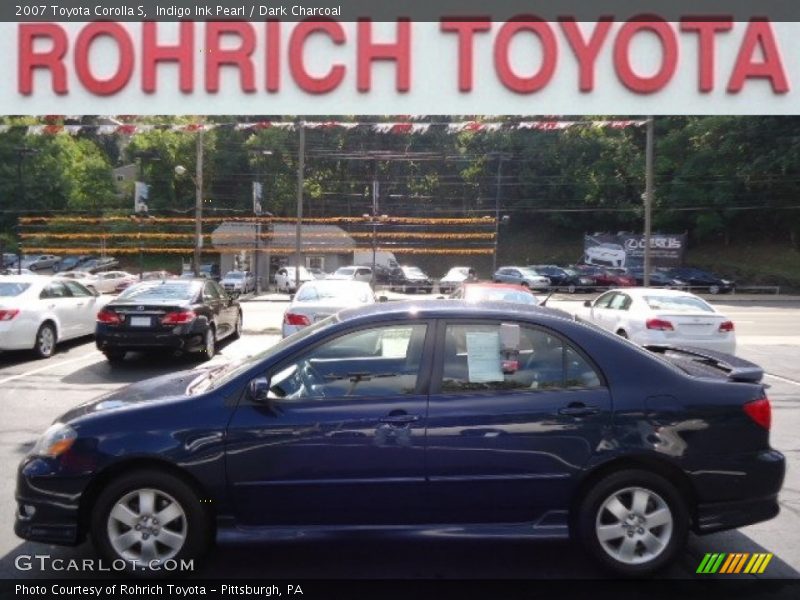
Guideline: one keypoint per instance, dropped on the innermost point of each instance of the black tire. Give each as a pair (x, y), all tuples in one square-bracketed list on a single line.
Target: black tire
[(115, 356), (714, 289), (587, 517), (237, 328), (44, 345), (198, 529), (571, 288), (209, 346)]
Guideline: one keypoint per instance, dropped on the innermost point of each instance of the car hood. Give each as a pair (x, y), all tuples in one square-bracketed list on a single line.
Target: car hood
[(164, 388)]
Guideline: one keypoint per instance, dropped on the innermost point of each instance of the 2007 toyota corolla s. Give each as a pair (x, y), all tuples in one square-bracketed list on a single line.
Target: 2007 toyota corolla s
[(439, 416)]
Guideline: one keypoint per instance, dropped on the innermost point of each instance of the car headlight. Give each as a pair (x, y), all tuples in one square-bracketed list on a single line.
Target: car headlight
[(726, 281), (55, 441)]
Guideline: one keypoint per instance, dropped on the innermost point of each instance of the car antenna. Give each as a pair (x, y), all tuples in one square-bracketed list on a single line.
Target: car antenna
[(544, 302)]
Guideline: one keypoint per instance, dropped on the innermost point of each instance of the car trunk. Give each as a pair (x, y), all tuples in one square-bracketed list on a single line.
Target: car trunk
[(697, 325), (316, 311), (145, 317)]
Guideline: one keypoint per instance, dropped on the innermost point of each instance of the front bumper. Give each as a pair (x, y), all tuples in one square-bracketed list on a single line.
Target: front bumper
[(48, 504)]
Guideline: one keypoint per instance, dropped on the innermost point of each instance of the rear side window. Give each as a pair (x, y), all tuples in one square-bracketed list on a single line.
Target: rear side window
[(55, 290), (510, 356)]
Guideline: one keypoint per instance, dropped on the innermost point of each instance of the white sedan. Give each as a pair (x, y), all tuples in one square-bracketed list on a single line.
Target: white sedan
[(38, 312), (107, 281), (650, 316), (285, 278), (316, 300), (85, 278)]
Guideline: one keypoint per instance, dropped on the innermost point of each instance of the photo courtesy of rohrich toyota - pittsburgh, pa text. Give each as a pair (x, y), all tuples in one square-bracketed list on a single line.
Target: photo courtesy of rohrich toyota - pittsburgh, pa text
[(375, 300)]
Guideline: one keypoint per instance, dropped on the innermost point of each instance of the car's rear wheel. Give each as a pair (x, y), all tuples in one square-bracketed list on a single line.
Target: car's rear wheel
[(571, 288), (714, 289), (115, 356), (209, 345), (45, 342), (148, 517), (633, 521)]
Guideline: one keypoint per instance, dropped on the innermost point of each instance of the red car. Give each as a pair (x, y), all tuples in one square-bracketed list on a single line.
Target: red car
[(607, 277), (495, 292)]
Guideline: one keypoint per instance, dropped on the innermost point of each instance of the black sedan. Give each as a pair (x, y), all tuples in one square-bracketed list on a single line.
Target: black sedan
[(412, 280), (702, 280), (175, 314), (564, 279), (430, 418)]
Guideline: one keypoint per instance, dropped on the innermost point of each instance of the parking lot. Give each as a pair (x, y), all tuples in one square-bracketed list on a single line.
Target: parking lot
[(33, 393)]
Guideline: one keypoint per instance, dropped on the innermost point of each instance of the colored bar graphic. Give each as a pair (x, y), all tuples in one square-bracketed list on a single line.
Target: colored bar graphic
[(723, 563)]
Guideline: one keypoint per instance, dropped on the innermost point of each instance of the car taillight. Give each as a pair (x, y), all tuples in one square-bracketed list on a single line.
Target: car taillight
[(8, 314), (760, 411), (659, 324), (178, 317), (726, 326), (294, 319), (108, 317)]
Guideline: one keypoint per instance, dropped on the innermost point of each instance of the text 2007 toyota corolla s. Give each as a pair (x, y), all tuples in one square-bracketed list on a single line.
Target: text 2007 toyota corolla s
[(409, 417)]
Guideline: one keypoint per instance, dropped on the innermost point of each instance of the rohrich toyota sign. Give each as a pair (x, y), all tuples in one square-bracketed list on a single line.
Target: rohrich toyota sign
[(521, 66)]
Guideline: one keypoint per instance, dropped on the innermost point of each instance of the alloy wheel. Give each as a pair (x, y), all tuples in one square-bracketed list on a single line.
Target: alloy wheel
[(46, 341), (634, 525), (147, 525)]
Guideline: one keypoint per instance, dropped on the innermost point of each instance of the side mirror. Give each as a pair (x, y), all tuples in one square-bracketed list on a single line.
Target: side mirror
[(258, 390), (441, 297), (587, 303), (383, 299)]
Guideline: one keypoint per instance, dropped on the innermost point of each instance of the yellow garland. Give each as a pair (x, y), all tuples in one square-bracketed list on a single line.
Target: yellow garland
[(264, 236), (381, 219), (278, 250)]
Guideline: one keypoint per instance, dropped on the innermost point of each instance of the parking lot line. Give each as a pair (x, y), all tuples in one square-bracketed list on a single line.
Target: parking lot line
[(789, 381), (49, 366)]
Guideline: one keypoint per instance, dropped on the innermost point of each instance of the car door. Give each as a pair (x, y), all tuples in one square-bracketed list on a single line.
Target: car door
[(58, 300), (599, 311), (341, 438), (617, 312), (215, 304), (85, 307), (229, 311), (515, 412)]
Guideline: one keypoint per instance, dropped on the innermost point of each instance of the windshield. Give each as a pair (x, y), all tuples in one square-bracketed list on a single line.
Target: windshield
[(9, 289), (332, 290), (345, 271), (457, 272), (224, 373), (235, 275), (677, 303), (499, 295), (529, 272), (415, 271), (160, 290)]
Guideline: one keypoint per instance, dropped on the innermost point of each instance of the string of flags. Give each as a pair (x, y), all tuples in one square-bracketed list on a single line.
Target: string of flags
[(396, 128)]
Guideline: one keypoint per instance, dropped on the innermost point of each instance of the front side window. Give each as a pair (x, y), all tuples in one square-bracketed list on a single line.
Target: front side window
[(509, 356), (369, 363), (55, 290)]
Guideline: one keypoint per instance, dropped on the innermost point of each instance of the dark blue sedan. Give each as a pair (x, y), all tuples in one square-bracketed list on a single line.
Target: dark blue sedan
[(498, 420)]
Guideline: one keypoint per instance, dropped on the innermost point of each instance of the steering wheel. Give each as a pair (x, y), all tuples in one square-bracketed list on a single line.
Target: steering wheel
[(312, 379)]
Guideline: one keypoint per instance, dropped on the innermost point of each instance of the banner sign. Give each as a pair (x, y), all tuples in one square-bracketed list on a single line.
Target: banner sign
[(525, 65), (627, 249)]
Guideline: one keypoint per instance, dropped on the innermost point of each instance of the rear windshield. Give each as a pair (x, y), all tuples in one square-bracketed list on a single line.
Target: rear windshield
[(500, 295), (345, 271), (9, 289), (323, 290), (234, 275), (173, 290), (677, 303)]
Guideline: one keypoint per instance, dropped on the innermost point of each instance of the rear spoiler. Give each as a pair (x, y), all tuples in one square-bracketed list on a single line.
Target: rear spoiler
[(737, 369)]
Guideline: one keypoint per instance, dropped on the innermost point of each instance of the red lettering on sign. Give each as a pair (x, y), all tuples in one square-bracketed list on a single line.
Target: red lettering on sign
[(240, 57), (586, 51), (83, 45), (706, 31), (154, 53), (466, 31), (502, 60), (315, 84), (642, 84), (52, 59), (759, 35), (369, 51)]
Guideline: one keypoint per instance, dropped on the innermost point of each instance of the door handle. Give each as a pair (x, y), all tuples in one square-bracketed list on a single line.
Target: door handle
[(578, 409), (399, 419)]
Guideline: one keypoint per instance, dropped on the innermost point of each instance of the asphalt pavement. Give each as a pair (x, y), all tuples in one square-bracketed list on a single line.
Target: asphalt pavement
[(33, 393)]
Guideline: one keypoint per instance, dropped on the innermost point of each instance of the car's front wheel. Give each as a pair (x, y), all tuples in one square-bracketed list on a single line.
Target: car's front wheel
[(633, 521), (148, 517)]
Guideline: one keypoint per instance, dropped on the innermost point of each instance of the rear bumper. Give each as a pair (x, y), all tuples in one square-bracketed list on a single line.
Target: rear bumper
[(187, 339), (730, 515), (740, 490)]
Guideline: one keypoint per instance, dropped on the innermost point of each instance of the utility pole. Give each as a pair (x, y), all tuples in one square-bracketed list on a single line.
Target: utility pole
[(501, 156), (648, 199), (301, 165), (375, 192), (198, 204), (22, 153)]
